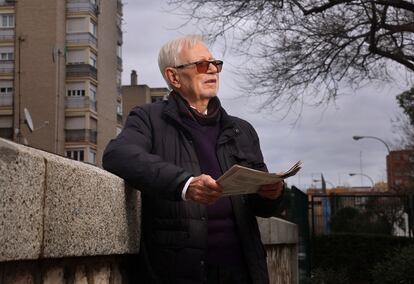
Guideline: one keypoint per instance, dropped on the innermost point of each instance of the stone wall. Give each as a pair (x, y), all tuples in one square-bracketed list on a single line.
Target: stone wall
[(280, 239), (77, 270), (53, 208), (63, 221)]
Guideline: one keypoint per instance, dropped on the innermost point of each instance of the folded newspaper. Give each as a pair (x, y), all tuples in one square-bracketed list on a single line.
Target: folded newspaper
[(242, 180)]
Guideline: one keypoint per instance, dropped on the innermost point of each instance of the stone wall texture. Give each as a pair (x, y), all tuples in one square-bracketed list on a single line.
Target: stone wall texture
[(54, 207)]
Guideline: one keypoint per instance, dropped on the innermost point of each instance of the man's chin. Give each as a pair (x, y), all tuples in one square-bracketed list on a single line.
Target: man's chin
[(208, 95)]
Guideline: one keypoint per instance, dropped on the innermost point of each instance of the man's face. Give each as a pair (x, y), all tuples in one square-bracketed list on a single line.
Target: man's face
[(195, 86)]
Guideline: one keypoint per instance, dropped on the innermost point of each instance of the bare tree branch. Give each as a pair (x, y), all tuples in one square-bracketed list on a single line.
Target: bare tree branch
[(306, 51)]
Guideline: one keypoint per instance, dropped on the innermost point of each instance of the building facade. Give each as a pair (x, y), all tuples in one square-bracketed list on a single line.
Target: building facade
[(400, 170), (135, 94), (60, 67)]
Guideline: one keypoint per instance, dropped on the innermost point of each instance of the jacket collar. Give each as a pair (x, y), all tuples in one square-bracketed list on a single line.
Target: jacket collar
[(229, 128)]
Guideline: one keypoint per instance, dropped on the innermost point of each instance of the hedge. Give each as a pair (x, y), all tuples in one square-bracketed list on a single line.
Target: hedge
[(357, 254)]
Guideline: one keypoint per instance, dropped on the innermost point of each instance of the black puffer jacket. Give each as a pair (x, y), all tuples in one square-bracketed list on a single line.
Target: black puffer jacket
[(154, 153)]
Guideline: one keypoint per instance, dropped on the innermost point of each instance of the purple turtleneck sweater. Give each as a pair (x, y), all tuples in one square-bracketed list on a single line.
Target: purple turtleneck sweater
[(223, 241)]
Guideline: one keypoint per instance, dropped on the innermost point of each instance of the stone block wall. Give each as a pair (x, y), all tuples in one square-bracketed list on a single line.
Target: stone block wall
[(281, 239), (79, 270), (54, 208)]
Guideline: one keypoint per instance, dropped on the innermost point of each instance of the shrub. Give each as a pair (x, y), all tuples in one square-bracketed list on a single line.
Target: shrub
[(328, 276), (398, 267), (355, 254), (352, 220)]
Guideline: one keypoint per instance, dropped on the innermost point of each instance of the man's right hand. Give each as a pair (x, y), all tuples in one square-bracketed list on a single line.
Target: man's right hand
[(204, 189)]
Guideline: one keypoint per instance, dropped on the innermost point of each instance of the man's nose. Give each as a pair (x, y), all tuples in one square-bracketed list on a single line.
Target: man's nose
[(212, 68)]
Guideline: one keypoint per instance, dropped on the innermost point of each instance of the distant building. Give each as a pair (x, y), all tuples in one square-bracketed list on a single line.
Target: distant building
[(400, 169), (134, 94), (344, 190), (61, 60)]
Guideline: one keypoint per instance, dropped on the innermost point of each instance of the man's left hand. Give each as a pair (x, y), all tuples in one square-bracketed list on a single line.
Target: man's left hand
[(271, 191)]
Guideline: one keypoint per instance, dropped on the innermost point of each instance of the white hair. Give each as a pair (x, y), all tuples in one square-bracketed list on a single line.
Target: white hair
[(170, 53)]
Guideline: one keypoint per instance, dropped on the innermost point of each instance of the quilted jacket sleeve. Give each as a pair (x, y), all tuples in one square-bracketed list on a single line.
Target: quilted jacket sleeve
[(129, 157)]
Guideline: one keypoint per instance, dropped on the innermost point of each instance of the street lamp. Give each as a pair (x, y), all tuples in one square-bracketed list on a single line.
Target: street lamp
[(356, 138), (364, 175)]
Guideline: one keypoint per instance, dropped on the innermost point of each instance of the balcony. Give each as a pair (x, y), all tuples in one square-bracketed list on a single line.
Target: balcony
[(81, 6), (80, 38), (81, 135), (119, 63), (119, 7), (7, 2), (80, 102), (119, 118), (7, 34), (6, 100), (6, 70), (120, 35), (6, 133), (81, 70)]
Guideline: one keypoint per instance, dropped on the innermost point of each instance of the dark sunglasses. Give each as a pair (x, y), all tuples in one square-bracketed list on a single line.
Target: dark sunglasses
[(203, 65)]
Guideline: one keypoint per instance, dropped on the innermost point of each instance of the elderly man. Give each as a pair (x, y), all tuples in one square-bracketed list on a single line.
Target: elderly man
[(173, 152)]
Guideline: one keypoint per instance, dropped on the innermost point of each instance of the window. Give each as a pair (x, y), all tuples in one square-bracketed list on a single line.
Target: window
[(76, 93), (119, 50), (6, 87), (7, 20), (93, 28), (6, 90), (157, 99), (76, 25), (4, 56), (92, 92), (119, 109), (76, 123), (76, 56), (119, 78), (75, 89), (77, 155), (92, 157), (92, 59), (6, 122)]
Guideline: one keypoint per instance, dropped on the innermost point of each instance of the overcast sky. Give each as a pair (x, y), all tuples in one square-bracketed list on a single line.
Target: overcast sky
[(322, 138)]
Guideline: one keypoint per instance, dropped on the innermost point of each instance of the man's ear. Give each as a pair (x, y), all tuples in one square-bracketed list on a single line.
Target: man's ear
[(173, 77)]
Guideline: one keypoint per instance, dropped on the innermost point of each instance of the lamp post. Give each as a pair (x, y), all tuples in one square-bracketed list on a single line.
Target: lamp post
[(357, 137), (364, 175)]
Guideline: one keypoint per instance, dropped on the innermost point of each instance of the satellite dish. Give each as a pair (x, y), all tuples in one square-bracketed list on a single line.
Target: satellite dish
[(28, 119)]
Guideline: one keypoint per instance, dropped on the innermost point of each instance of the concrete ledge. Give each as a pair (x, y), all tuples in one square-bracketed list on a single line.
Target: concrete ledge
[(22, 183), (54, 207), (277, 231)]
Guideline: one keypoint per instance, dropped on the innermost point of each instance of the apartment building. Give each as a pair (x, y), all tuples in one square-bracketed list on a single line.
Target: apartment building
[(400, 170), (60, 62)]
